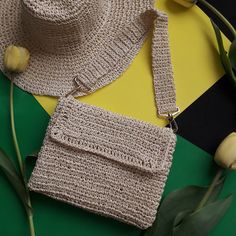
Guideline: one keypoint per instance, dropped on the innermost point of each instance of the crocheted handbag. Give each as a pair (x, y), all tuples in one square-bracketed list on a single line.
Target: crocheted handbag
[(108, 163)]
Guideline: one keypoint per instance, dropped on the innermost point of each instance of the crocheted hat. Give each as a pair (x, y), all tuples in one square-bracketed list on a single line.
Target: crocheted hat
[(94, 40)]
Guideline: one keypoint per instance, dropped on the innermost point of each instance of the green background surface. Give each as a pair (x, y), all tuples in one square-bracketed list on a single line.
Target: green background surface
[(191, 165)]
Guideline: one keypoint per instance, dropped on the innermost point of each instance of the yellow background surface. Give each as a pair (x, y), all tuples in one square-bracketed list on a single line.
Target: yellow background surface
[(196, 67)]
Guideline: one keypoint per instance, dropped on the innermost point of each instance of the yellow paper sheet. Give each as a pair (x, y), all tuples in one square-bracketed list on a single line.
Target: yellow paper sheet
[(196, 67)]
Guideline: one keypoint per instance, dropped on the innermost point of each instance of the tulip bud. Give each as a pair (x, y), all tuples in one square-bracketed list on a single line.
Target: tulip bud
[(225, 155), (186, 3), (16, 59)]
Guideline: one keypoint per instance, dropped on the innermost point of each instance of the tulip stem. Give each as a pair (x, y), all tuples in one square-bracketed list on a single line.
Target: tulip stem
[(210, 189), (220, 16), (20, 162), (13, 129)]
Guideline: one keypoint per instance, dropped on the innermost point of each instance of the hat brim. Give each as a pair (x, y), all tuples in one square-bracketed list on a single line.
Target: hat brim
[(53, 73)]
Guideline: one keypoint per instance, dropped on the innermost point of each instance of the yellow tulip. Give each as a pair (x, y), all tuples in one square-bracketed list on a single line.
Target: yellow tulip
[(225, 155), (186, 3), (16, 59)]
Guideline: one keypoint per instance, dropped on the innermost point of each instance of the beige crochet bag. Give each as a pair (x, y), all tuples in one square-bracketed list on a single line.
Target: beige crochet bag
[(108, 163)]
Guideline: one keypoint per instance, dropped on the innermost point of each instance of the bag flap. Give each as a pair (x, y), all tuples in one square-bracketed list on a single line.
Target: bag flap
[(122, 139)]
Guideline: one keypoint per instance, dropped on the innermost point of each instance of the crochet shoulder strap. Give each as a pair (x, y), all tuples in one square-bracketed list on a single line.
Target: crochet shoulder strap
[(163, 81)]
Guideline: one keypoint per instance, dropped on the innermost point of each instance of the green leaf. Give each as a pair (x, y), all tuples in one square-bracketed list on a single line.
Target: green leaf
[(223, 55), (13, 177), (208, 216), (185, 199), (180, 217), (232, 54)]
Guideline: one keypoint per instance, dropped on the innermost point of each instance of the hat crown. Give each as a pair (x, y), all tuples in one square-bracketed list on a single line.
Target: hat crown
[(55, 23), (62, 10)]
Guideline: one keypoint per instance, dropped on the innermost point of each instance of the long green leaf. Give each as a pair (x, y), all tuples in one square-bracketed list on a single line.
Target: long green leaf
[(185, 199), (232, 54), (180, 217), (13, 177), (207, 216), (223, 55)]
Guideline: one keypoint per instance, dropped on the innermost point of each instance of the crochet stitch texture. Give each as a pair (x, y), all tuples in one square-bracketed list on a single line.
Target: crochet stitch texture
[(91, 158), (95, 40), (104, 162)]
